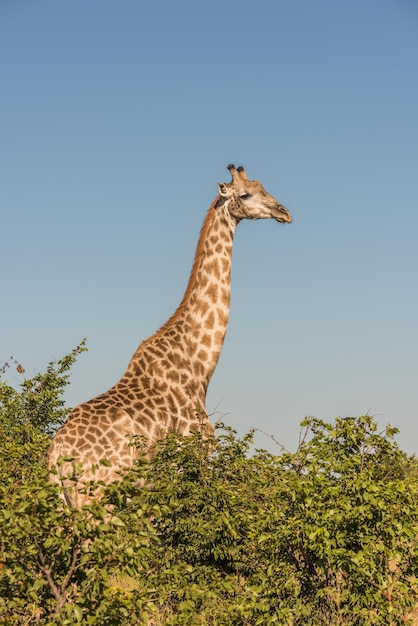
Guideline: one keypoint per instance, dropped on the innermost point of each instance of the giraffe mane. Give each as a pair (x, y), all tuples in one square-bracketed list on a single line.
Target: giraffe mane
[(195, 268)]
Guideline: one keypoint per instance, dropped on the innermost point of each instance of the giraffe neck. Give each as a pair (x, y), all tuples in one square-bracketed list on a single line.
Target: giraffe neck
[(198, 326)]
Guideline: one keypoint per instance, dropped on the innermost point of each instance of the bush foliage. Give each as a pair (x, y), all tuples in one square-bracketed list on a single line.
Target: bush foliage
[(207, 532)]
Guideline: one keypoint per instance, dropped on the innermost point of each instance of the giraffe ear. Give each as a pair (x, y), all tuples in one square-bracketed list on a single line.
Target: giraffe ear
[(224, 190)]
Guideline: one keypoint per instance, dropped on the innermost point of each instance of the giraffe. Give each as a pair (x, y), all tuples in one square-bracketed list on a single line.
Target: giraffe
[(164, 387)]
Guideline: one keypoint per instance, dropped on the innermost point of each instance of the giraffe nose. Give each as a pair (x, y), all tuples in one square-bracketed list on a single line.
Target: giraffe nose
[(281, 214)]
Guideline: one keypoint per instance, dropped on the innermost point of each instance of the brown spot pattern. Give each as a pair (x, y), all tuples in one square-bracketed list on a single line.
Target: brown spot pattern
[(167, 377)]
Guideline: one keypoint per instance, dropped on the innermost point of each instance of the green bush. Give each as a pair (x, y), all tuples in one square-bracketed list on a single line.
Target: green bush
[(29, 416), (207, 533)]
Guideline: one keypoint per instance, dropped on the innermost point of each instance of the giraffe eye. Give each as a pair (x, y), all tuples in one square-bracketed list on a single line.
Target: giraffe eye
[(244, 196)]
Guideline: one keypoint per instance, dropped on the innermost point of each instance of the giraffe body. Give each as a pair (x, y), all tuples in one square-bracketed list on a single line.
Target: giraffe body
[(164, 387)]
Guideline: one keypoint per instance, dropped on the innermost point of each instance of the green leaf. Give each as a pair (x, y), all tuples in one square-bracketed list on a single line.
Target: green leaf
[(78, 612), (116, 521)]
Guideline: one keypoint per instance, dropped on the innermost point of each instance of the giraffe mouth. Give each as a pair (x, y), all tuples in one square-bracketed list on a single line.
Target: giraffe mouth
[(282, 215)]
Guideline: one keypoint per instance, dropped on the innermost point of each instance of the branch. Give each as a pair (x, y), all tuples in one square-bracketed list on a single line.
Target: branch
[(65, 582), (47, 571), (272, 437), (58, 591)]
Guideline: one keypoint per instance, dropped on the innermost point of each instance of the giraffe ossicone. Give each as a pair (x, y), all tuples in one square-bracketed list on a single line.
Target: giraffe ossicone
[(164, 387)]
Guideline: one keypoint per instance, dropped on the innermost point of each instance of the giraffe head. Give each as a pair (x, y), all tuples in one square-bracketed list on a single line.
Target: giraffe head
[(247, 199)]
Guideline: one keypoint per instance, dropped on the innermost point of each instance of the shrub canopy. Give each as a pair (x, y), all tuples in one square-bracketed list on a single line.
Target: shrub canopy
[(208, 532)]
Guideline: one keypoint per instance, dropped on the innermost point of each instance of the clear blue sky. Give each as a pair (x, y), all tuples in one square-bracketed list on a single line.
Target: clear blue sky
[(117, 121)]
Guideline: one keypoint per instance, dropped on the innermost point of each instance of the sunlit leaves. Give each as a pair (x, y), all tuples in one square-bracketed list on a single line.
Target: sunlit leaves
[(29, 415), (207, 533)]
